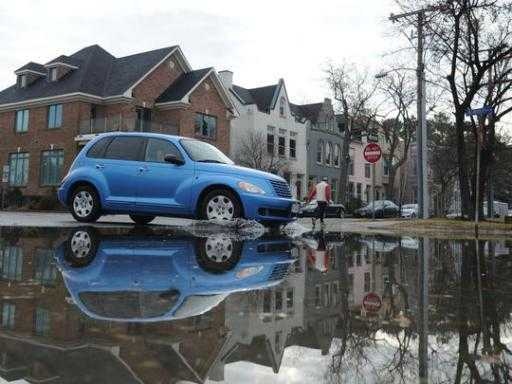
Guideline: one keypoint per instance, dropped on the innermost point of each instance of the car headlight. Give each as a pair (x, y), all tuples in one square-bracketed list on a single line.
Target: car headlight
[(248, 187), (247, 272)]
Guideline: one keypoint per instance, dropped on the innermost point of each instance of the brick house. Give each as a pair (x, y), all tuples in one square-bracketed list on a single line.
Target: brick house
[(55, 108)]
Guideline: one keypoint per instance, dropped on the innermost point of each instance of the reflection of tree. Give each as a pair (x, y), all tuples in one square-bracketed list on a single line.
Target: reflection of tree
[(470, 306)]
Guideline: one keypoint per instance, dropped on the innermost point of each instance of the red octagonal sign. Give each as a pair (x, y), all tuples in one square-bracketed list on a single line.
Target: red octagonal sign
[(372, 302), (372, 153)]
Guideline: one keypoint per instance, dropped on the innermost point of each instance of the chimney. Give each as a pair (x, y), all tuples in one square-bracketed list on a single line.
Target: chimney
[(327, 101), (227, 78)]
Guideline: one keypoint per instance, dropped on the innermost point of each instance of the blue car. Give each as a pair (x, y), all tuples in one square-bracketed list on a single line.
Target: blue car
[(156, 278), (146, 175)]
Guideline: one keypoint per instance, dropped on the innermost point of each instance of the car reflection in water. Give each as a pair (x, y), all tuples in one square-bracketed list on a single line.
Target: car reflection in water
[(156, 278)]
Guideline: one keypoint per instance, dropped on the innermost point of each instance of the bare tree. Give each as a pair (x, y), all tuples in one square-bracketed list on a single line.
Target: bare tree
[(253, 153), (354, 90), (466, 40), (398, 89)]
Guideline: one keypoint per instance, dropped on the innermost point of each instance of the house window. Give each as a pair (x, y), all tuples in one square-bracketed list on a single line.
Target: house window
[(42, 323), (367, 171), (282, 107), (21, 124), (8, 311), (281, 146), (328, 153), (336, 156), (351, 167), (350, 190), (367, 193), (267, 301), (279, 300), (334, 190), (270, 143), (293, 149), (205, 125), (289, 300), (45, 270), (54, 116), (358, 191), (52, 163), (386, 166), (367, 281), (320, 152), (18, 169), (11, 263), (23, 81), (53, 74)]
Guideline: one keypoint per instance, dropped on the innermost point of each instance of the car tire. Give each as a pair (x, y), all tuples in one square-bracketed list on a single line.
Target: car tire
[(220, 204), (217, 254), (142, 219), (81, 246), (85, 204)]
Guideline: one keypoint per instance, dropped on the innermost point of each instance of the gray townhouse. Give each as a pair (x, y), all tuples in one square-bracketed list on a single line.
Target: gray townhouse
[(323, 143)]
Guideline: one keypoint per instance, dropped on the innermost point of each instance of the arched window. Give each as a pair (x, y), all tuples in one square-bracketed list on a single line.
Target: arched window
[(282, 107), (328, 153), (320, 152), (336, 157)]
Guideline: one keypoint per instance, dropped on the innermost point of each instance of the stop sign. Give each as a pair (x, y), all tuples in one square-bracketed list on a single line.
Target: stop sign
[(372, 302), (372, 153)]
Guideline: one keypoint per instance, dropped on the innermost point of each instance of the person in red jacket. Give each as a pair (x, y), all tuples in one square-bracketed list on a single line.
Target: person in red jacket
[(322, 193)]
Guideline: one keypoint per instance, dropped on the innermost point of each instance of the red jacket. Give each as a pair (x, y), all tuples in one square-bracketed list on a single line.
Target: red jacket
[(322, 192)]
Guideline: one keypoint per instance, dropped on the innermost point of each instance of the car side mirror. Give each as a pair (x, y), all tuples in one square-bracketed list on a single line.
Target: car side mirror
[(173, 159)]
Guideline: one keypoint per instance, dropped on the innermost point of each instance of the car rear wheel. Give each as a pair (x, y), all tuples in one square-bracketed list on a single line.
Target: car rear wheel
[(220, 204), (85, 204), (142, 219), (81, 247)]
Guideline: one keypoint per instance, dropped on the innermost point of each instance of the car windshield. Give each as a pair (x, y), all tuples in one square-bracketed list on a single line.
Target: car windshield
[(204, 152), (409, 206)]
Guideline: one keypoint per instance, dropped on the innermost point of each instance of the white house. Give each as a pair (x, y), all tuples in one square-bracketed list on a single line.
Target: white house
[(265, 111)]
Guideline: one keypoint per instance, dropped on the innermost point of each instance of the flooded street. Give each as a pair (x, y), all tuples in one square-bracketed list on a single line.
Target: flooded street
[(193, 305)]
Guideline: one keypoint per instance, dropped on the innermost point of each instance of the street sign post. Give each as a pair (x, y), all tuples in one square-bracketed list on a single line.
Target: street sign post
[(372, 154)]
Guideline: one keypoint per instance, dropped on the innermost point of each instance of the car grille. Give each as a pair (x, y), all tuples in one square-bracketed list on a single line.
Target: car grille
[(281, 188), (279, 272)]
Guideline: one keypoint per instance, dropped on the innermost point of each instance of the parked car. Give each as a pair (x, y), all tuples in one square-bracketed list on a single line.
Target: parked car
[(146, 175), (383, 208), (332, 210), (136, 278), (409, 211)]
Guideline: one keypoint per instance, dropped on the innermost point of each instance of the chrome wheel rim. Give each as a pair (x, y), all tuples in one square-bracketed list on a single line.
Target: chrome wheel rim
[(219, 249), (83, 204), (220, 207), (81, 244)]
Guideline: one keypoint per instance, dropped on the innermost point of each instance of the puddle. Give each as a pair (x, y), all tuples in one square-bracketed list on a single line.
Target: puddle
[(228, 305)]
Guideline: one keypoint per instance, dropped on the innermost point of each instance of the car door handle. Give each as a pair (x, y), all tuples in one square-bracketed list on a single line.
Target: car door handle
[(100, 166), (143, 169)]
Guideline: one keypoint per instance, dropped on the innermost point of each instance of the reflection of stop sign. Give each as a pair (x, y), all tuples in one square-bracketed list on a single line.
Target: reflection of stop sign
[(372, 302), (372, 153)]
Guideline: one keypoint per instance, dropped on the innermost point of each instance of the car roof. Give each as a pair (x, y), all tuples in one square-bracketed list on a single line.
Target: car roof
[(145, 134)]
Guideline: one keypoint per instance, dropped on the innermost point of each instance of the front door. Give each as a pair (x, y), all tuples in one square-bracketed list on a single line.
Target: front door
[(164, 187), (121, 166)]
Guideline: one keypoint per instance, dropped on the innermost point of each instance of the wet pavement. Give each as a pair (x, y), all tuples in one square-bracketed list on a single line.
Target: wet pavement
[(239, 305)]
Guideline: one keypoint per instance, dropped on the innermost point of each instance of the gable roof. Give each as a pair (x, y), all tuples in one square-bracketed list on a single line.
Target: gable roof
[(99, 73), (183, 85), (263, 97), (32, 67), (63, 59)]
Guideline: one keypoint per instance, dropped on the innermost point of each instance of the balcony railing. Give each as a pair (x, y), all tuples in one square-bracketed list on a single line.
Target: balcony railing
[(112, 124)]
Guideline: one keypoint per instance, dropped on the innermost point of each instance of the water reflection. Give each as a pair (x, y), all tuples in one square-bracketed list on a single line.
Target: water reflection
[(111, 306)]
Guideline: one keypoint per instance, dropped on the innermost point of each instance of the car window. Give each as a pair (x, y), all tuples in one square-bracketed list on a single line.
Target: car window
[(124, 148), (156, 149), (98, 149)]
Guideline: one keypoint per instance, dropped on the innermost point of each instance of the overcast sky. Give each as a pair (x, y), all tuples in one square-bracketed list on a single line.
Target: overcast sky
[(260, 41)]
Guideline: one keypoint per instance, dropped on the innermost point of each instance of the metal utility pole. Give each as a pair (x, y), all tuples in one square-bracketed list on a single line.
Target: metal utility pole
[(421, 131)]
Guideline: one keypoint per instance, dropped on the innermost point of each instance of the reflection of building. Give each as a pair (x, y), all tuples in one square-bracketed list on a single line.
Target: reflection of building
[(261, 322), (44, 337)]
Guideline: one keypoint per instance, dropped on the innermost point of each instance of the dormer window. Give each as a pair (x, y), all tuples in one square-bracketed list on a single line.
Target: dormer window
[(23, 81), (282, 107), (52, 74)]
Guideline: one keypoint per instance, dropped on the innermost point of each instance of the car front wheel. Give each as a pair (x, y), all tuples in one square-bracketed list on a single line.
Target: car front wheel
[(85, 204), (220, 204)]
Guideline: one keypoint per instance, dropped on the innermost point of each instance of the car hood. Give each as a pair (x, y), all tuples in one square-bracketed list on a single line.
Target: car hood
[(238, 170)]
